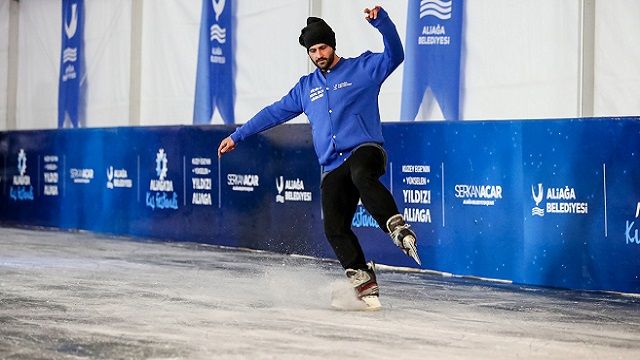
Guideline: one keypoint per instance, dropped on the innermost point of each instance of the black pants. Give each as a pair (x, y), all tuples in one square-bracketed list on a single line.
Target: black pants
[(357, 178)]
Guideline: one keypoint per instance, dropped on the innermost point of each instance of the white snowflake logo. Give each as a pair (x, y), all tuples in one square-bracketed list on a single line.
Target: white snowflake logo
[(161, 164), (22, 162)]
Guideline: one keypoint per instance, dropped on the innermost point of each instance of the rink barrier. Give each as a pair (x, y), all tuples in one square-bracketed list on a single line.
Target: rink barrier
[(540, 202)]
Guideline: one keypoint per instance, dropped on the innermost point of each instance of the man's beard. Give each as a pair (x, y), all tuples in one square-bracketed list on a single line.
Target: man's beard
[(327, 63)]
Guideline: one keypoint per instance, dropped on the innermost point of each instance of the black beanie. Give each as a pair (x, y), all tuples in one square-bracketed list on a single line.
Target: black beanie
[(317, 32)]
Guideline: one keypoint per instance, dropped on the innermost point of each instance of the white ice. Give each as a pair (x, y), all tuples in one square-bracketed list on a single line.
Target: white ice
[(78, 295)]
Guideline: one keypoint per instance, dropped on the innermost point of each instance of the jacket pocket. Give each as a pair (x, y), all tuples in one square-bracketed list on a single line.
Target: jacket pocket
[(360, 121)]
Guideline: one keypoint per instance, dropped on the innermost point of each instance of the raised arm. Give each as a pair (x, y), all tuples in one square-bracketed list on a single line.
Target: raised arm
[(382, 65)]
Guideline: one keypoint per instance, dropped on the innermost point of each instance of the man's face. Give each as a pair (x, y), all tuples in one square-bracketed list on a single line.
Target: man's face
[(322, 56)]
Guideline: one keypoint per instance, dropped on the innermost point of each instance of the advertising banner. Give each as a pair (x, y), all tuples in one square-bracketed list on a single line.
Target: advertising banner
[(72, 80), (541, 202), (215, 78), (483, 175), (580, 191), (432, 56)]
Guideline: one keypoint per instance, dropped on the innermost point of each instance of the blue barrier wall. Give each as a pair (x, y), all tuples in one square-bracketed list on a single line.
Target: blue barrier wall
[(541, 202)]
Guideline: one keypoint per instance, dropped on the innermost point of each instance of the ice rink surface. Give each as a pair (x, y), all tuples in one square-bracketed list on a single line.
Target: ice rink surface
[(78, 295)]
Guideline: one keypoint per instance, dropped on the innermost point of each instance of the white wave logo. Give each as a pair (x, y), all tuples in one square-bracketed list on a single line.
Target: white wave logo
[(69, 55), (219, 34), (280, 188), (216, 32), (70, 29), (110, 177), (537, 211), (438, 8), (218, 8), (118, 178), (292, 190)]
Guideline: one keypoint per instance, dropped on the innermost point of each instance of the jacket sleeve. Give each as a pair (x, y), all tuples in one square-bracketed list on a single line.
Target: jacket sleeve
[(277, 113), (381, 65)]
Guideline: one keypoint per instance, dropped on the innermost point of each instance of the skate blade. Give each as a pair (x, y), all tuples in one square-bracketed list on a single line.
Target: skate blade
[(414, 254), (367, 303), (411, 249), (372, 303), (344, 298)]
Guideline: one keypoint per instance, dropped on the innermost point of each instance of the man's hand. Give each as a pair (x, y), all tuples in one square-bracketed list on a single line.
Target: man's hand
[(226, 146), (371, 13)]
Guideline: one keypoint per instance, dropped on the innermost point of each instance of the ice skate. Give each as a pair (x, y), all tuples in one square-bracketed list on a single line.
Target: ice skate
[(403, 236), (365, 285), (365, 289)]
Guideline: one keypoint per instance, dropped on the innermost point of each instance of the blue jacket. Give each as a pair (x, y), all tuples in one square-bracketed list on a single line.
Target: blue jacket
[(343, 107)]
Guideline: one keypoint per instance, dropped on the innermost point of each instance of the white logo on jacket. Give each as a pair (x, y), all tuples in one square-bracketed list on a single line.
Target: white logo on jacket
[(316, 93), (342, 85)]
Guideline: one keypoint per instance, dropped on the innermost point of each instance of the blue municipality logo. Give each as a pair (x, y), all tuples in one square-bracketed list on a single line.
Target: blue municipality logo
[(536, 210), (72, 81), (215, 71), (437, 8), (118, 178), (217, 32), (291, 190), (629, 228), (280, 188), (432, 58), (70, 29), (110, 177), (70, 54)]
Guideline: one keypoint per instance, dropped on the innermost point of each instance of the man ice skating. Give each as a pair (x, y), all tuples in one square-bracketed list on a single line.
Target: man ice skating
[(340, 99)]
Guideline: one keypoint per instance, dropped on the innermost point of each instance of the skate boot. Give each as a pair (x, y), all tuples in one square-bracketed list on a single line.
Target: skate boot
[(403, 236), (365, 285)]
